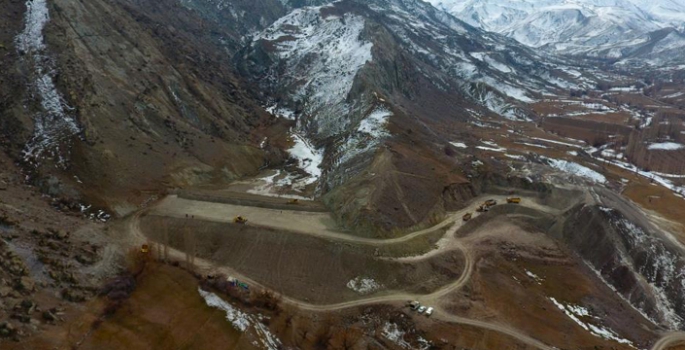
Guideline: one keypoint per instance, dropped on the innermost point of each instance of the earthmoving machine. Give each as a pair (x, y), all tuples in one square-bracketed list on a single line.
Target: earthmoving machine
[(240, 220), (466, 217), (514, 200), (294, 201), (490, 202), (482, 208)]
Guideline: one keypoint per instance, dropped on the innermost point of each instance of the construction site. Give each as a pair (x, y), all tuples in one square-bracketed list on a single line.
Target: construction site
[(470, 269)]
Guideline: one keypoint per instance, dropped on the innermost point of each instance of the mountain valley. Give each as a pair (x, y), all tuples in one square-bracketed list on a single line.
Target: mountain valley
[(293, 174)]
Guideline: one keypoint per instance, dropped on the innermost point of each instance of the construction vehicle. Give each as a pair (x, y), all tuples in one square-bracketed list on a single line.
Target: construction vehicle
[(514, 200), (294, 201), (490, 202), (466, 217), (145, 249), (239, 220), (482, 208)]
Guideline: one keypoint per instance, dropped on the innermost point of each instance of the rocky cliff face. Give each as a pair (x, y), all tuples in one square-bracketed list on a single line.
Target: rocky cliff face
[(641, 265)]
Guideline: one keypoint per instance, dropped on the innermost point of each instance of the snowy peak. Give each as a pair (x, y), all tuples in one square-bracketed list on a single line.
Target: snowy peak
[(577, 27)]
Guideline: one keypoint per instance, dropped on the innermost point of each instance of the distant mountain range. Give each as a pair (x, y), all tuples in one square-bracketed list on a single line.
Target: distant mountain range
[(623, 31)]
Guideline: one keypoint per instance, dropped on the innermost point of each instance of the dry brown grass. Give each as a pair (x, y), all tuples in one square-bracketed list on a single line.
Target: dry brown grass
[(678, 347), (495, 295), (164, 312)]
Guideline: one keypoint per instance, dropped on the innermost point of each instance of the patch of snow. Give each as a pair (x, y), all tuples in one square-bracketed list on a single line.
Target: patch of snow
[(557, 142), (369, 134), (363, 285), (678, 190), (535, 277), (392, 332), (459, 144), (674, 176), (309, 158), (281, 112), (270, 187), (675, 95), (515, 156), (242, 321), (532, 144), (580, 314), (491, 147), (575, 169), (53, 125), (374, 123), (666, 146)]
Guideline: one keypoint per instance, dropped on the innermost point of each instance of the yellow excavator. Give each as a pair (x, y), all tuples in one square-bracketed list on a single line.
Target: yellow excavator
[(240, 220), (514, 200)]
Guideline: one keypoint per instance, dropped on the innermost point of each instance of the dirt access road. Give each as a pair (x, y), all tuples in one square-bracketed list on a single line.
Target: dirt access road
[(309, 223), (321, 225), (669, 340)]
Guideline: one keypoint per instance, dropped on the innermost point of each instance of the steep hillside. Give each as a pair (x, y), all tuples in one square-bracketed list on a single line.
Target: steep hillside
[(641, 264), (108, 86), (372, 86)]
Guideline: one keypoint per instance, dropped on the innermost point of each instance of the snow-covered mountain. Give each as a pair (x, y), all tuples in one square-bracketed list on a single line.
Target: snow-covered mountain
[(613, 29), (345, 66)]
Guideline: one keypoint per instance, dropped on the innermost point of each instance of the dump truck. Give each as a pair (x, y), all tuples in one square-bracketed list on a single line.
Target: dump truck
[(514, 200), (239, 220), (490, 202), (466, 217), (482, 208)]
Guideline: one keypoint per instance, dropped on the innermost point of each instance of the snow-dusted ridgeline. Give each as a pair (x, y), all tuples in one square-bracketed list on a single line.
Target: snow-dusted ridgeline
[(323, 54), (604, 28), (52, 124)]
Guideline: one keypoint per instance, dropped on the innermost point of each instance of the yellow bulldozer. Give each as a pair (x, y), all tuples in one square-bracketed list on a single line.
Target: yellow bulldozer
[(514, 200), (240, 220)]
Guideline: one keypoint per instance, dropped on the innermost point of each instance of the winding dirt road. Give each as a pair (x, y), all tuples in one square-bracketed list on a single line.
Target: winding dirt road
[(669, 340), (175, 207)]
